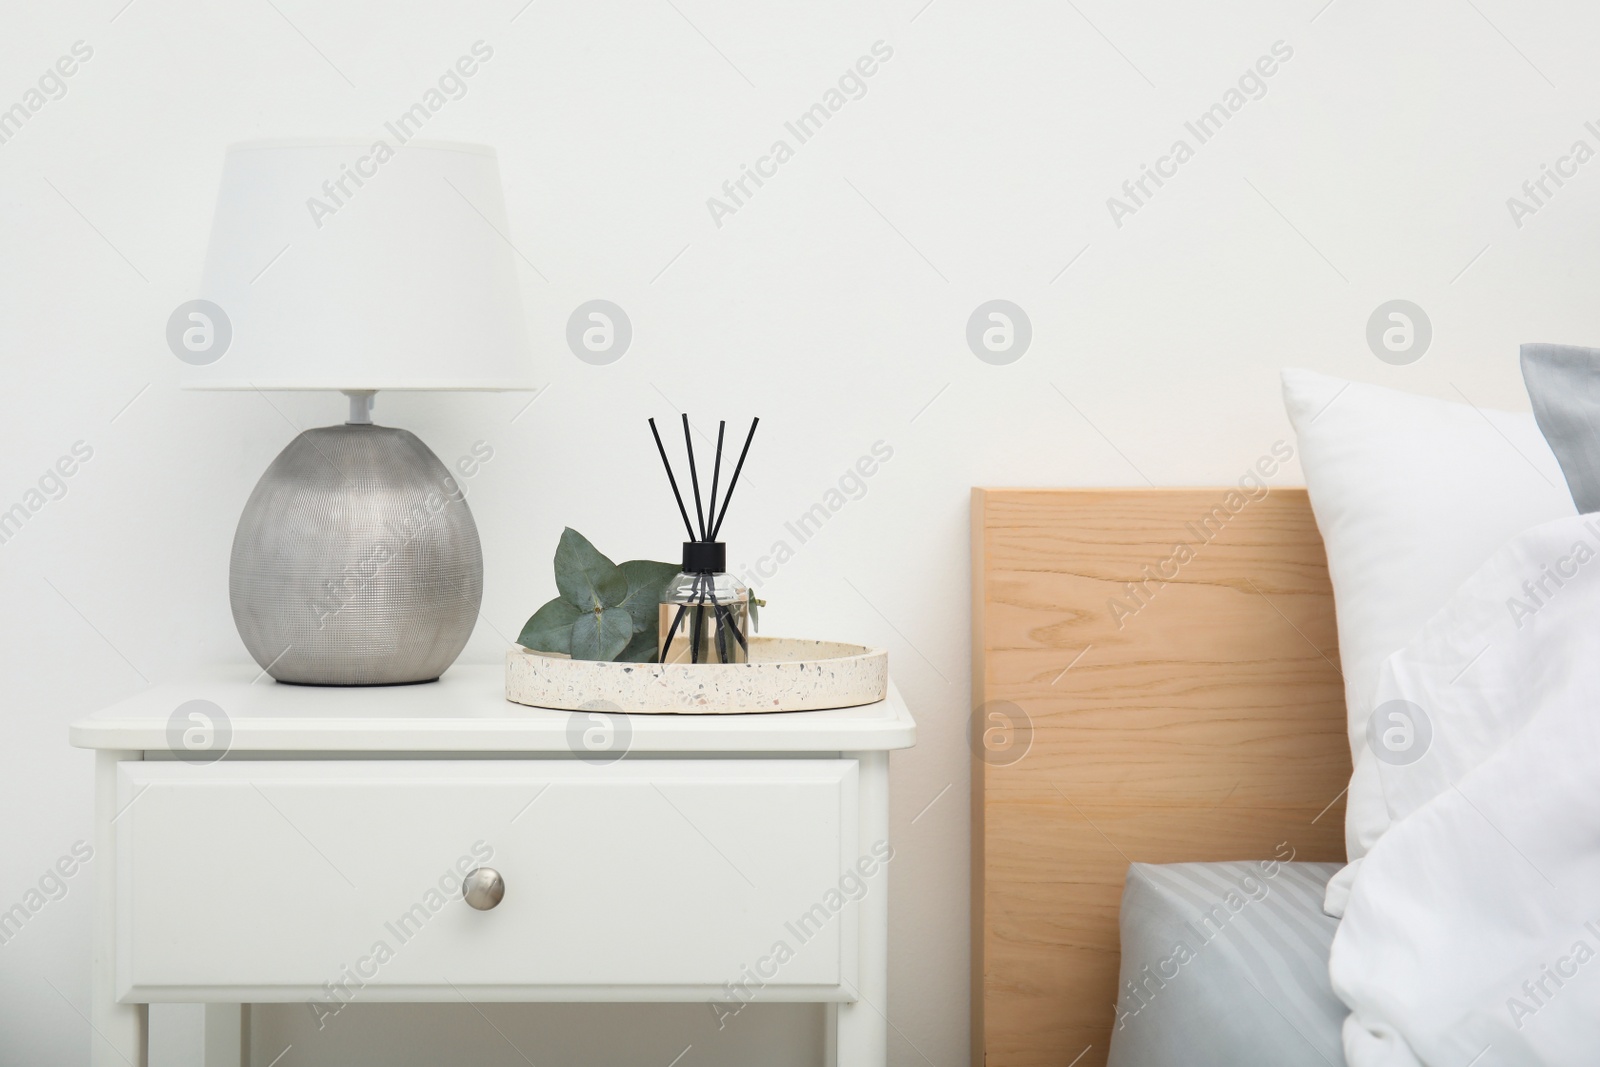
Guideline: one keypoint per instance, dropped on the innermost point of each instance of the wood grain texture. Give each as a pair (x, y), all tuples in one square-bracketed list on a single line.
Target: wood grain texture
[(1172, 653)]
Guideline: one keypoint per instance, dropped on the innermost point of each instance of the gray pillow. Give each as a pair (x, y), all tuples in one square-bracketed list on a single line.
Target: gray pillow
[(1564, 384)]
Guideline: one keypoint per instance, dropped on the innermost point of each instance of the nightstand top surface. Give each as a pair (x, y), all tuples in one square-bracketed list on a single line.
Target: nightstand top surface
[(465, 711)]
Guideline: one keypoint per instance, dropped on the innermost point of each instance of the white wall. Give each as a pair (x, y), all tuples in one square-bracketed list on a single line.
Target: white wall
[(833, 304)]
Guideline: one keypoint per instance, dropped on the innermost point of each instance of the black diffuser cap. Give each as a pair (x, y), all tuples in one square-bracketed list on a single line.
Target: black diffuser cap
[(705, 557)]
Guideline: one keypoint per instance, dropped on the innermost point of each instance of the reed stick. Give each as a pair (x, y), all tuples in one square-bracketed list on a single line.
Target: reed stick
[(734, 481), (694, 477), (716, 472), (671, 480)]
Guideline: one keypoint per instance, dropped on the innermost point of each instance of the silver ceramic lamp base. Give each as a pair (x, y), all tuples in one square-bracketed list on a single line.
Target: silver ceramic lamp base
[(356, 561)]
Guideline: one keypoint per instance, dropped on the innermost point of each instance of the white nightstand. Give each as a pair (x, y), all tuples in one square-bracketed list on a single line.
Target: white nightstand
[(725, 858)]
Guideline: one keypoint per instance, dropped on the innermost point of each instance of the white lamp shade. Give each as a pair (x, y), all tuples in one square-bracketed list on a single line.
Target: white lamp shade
[(364, 265)]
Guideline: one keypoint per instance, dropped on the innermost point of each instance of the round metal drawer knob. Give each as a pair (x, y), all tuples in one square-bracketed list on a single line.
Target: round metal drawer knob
[(483, 888)]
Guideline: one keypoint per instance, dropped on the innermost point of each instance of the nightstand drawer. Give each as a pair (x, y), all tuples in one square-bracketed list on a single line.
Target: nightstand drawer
[(645, 879)]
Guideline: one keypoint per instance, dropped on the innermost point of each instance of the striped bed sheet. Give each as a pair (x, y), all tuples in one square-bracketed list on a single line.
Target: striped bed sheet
[(1226, 964)]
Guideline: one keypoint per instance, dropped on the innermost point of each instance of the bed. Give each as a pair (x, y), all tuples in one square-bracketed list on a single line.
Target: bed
[(1177, 746), (1155, 682)]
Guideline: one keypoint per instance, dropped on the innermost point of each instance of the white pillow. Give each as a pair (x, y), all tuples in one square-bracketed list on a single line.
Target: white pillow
[(1411, 494)]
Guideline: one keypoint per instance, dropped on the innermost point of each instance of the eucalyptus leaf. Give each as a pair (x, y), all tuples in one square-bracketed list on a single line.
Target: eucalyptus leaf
[(755, 615), (601, 634), (587, 579), (643, 648), (550, 628), (605, 611), (647, 579)]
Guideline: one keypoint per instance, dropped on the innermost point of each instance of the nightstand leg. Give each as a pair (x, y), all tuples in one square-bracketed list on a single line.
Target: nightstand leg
[(858, 1033), (226, 1035), (118, 1034)]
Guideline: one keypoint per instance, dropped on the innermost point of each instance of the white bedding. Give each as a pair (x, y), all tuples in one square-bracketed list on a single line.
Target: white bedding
[(1472, 934), (1411, 493)]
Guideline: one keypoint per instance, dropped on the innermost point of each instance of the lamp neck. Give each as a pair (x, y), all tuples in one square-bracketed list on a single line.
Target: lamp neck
[(360, 407)]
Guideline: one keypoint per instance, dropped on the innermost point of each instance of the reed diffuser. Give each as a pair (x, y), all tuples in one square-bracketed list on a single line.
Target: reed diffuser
[(704, 611)]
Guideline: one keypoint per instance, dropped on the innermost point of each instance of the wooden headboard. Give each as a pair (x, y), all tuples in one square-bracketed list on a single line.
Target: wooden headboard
[(1155, 680)]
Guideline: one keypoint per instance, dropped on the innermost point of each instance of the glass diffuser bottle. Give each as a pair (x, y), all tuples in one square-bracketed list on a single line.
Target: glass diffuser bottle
[(704, 611)]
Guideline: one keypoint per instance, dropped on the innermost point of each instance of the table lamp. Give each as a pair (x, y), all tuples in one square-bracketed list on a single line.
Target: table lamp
[(359, 266)]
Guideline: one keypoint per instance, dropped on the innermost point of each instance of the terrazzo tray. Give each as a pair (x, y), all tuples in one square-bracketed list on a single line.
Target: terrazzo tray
[(784, 674)]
